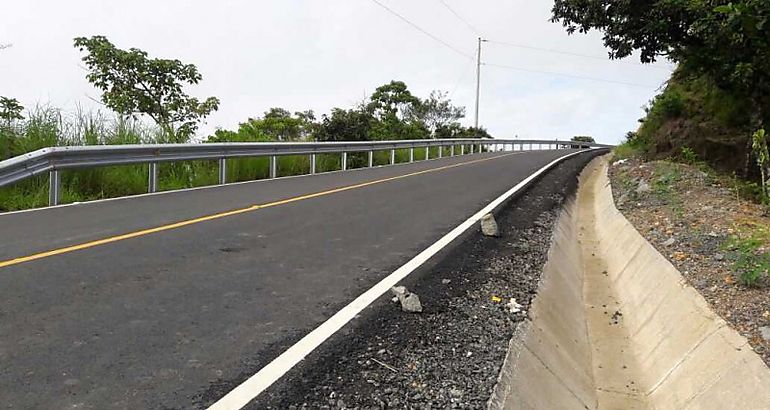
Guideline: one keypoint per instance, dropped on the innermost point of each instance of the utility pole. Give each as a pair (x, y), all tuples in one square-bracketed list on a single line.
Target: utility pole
[(478, 82)]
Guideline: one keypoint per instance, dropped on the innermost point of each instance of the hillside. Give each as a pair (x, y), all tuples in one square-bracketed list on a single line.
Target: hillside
[(693, 119)]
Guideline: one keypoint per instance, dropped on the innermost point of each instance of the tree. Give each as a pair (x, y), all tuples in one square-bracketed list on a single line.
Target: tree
[(392, 107), (479, 132), (282, 126), (436, 112), (453, 130), (726, 42), (392, 100), (583, 138), (345, 125), (277, 124), (133, 84), (10, 110)]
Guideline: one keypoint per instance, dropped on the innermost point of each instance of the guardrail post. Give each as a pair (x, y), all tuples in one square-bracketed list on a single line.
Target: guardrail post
[(462, 149), (312, 164), (440, 151), (54, 186), (427, 152), (371, 159), (222, 171), (472, 148), (273, 166), (152, 177), (451, 150), (392, 157), (344, 161), (411, 154)]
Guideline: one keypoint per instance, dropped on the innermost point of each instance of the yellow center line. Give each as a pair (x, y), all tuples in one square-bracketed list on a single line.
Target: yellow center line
[(175, 225)]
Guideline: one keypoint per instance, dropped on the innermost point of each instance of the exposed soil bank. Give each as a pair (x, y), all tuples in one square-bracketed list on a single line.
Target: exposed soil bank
[(450, 355)]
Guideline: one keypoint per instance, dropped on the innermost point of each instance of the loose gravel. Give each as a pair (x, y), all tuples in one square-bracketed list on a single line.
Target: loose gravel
[(448, 356)]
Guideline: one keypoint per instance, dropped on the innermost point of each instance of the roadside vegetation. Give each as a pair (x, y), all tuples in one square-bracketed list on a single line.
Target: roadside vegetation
[(146, 103)]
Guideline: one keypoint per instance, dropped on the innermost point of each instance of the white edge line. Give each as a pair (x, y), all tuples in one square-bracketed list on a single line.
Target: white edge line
[(254, 181), (256, 384)]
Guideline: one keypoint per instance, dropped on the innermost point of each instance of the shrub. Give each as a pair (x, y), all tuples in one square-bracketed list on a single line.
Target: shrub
[(669, 104), (689, 156), (751, 259)]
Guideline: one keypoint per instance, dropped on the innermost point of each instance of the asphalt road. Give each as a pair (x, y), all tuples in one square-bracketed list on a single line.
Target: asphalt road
[(157, 319)]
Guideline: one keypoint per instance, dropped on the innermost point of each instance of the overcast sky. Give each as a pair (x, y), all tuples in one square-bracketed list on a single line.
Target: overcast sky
[(314, 54)]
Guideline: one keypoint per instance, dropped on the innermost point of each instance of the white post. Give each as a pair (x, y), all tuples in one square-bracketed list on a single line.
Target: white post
[(152, 183), (54, 186), (312, 163), (222, 171)]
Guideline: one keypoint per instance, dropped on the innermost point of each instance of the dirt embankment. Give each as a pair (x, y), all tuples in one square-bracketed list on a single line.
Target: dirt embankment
[(720, 243)]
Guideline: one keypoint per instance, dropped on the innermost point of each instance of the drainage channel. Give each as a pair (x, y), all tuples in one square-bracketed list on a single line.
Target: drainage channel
[(614, 325)]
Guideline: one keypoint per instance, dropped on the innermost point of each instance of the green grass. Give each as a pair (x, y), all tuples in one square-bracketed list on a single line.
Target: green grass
[(667, 175), (624, 151), (748, 250)]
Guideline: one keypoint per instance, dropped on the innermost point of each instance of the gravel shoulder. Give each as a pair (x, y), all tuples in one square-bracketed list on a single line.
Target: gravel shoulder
[(450, 355), (719, 242)]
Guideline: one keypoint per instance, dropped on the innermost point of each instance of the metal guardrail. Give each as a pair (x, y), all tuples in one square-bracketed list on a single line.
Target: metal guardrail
[(55, 159)]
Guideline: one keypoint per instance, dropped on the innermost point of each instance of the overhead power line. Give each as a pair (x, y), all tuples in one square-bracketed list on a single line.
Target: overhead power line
[(579, 77), (569, 53), (461, 78), (404, 19), (459, 17)]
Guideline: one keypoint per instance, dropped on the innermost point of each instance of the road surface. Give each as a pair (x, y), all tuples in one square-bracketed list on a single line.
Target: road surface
[(147, 302)]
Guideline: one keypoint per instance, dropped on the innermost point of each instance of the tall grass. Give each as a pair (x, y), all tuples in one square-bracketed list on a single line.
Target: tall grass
[(45, 126)]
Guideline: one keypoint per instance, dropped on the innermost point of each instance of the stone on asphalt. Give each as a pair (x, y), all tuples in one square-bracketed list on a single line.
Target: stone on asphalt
[(410, 302), (489, 226)]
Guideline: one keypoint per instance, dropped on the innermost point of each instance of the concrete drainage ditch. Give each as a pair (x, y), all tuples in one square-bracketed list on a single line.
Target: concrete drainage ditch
[(614, 326)]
